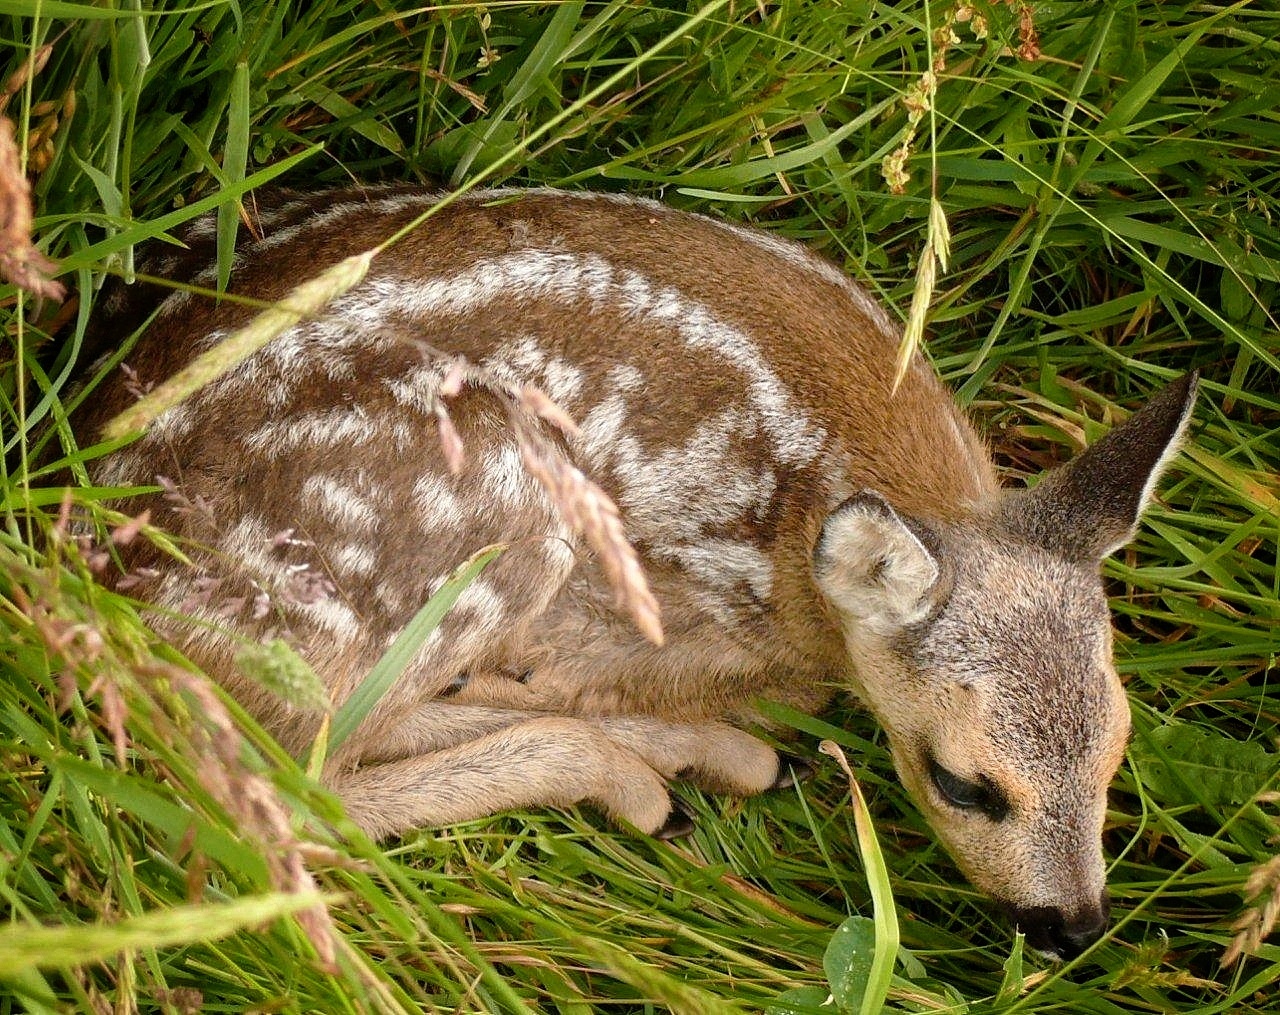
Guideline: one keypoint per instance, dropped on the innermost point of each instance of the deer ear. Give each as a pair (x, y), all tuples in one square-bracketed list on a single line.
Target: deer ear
[(1090, 507), (874, 566)]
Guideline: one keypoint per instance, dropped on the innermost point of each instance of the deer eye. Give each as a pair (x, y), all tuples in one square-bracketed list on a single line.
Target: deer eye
[(966, 794)]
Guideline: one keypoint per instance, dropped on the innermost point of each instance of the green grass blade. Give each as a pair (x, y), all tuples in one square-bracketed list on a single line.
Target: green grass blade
[(23, 948), (235, 158), (387, 670)]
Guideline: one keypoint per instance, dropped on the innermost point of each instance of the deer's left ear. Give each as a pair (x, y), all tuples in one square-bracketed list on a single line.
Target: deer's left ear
[(874, 566), (1090, 507)]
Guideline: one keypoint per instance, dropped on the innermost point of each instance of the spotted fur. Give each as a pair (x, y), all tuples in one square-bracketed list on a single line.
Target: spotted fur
[(803, 526)]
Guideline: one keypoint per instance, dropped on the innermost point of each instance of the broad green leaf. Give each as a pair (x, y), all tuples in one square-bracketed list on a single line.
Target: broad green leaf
[(881, 949), (848, 964), (1184, 764), (536, 70), (1013, 982), (545, 56), (803, 1001)]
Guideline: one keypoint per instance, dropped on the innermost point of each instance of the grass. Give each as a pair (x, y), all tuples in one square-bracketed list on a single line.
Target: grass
[(1104, 179)]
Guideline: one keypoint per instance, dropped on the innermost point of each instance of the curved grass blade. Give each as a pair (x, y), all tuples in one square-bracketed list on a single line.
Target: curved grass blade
[(880, 973)]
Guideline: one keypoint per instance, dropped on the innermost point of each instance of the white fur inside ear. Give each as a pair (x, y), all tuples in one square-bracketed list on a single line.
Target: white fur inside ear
[(873, 568), (1169, 453)]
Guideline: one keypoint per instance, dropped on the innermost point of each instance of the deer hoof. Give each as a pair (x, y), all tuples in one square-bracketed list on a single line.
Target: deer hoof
[(678, 824), (791, 770)]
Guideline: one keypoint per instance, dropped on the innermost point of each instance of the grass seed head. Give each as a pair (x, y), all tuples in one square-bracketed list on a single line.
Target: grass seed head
[(20, 262)]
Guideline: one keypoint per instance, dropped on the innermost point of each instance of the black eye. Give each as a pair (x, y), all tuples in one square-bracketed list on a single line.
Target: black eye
[(966, 794), (955, 789)]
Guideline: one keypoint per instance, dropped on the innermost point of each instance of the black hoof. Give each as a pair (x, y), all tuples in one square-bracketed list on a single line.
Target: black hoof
[(791, 770), (679, 822)]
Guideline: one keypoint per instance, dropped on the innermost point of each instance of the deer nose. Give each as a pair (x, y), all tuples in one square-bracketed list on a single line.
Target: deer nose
[(1052, 931)]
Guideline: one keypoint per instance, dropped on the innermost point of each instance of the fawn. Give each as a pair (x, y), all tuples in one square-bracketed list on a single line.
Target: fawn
[(804, 528)]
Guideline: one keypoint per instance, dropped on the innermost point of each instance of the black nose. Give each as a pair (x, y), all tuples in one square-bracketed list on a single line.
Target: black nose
[(1052, 931)]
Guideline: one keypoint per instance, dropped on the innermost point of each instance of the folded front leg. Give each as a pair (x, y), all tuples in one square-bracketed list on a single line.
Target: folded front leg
[(713, 755), (541, 762)]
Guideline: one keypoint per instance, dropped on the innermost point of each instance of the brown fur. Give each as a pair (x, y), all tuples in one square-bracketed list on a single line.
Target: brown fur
[(804, 527)]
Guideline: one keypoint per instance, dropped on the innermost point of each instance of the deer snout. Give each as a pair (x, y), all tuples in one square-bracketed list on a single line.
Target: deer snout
[(1064, 936)]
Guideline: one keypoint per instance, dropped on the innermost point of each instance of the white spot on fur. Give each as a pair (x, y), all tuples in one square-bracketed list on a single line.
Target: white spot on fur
[(329, 428), (272, 217), (704, 476), (426, 656), (124, 468), (206, 278), (520, 360), (626, 377), (319, 222), (404, 437), (211, 339), (392, 598), (172, 589), (627, 200), (353, 559), (795, 441), (724, 564), (249, 543), (558, 550), (790, 251), (526, 362), (481, 598), (332, 217), (438, 506), (418, 389), (172, 423), (341, 504), (601, 434), (562, 382), (479, 606), (713, 602), (503, 475), (533, 274), (331, 615), (202, 228), (327, 343)]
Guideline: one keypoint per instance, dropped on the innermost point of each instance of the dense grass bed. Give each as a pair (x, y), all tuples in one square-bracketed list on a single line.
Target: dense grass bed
[(1108, 176)]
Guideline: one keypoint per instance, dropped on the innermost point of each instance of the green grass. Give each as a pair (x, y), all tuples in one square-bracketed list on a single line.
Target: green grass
[(1112, 209)]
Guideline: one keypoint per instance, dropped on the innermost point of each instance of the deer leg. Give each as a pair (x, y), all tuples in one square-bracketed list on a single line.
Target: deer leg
[(431, 726), (713, 755), (550, 761)]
